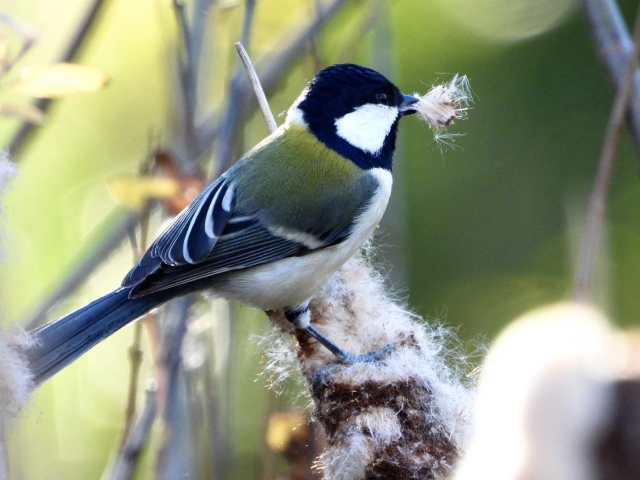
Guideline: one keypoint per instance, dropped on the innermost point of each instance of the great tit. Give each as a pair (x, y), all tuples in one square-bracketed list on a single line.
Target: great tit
[(272, 229)]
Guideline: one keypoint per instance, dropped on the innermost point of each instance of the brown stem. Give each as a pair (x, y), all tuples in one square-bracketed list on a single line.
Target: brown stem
[(127, 461), (135, 361), (597, 204), (135, 350)]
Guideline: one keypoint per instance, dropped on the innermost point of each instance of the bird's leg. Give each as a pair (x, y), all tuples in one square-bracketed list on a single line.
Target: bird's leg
[(300, 317)]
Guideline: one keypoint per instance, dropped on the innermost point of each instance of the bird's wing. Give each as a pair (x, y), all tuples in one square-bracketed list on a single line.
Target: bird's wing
[(185, 251), (192, 234), (245, 243)]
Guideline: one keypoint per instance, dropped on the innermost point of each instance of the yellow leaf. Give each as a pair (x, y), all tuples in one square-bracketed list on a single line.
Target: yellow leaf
[(25, 112), (59, 80), (135, 191)]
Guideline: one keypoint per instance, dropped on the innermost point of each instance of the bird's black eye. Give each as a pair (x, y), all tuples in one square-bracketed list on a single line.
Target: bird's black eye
[(381, 97)]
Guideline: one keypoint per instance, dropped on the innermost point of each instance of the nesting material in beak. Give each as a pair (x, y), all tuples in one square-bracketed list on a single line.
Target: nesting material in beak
[(444, 104)]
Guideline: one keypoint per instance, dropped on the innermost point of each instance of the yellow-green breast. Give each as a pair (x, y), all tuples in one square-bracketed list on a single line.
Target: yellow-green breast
[(293, 180)]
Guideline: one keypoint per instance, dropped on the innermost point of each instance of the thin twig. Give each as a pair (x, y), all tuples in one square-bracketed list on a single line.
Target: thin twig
[(127, 460), (183, 23), (274, 68), (247, 24), (595, 215), (135, 362), (314, 50), (135, 350), (193, 36), (269, 119), (230, 125), (200, 33), (614, 46), (73, 49), (29, 36), (128, 455), (173, 461)]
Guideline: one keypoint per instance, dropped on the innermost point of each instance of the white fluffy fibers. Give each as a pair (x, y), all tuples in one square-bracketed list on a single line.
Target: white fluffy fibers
[(15, 378), (543, 396), (441, 106), (404, 416)]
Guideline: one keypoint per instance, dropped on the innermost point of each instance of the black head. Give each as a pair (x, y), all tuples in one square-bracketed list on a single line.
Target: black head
[(355, 111)]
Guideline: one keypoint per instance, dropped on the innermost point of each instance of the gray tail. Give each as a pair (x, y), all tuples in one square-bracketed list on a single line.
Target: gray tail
[(62, 341)]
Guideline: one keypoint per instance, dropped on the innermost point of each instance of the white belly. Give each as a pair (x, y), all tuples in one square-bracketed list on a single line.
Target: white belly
[(292, 281)]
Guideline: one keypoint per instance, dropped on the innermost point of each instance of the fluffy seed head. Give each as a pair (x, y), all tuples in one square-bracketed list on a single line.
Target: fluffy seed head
[(444, 104)]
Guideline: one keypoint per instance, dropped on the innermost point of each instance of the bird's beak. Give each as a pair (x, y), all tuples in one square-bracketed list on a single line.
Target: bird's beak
[(406, 107)]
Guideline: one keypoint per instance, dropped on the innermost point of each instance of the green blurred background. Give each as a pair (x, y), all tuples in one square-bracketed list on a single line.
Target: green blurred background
[(475, 235)]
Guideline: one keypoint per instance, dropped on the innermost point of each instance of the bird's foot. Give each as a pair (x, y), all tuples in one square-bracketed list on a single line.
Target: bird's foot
[(321, 376), (349, 358), (343, 356)]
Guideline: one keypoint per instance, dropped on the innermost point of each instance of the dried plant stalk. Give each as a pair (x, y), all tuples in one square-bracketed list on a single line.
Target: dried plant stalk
[(269, 119), (404, 416)]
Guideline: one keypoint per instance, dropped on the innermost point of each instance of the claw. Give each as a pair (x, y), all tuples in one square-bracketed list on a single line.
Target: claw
[(346, 358), (373, 356)]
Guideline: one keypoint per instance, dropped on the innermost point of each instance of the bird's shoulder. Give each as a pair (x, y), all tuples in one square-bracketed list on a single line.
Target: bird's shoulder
[(293, 167)]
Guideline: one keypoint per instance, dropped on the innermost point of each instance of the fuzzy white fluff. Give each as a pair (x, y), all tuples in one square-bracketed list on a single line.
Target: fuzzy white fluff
[(346, 461), (15, 386), (543, 396), (380, 320), (15, 378), (443, 105), (354, 310)]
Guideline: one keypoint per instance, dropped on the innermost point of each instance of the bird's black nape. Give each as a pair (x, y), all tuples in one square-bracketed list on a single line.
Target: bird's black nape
[(337, 91)]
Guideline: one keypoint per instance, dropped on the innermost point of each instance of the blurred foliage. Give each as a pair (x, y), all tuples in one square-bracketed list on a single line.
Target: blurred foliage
[(475, 235)]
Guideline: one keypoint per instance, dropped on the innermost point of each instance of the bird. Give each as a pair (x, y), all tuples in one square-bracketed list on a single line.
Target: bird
[(272, 229)]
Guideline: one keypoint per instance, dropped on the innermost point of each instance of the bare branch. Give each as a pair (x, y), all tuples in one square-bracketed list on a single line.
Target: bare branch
[(193, 36), (125, 465), (614, 47), (174, 457), (597, 204), (257, 88), (247, 24), (135, 361), (72, 50)]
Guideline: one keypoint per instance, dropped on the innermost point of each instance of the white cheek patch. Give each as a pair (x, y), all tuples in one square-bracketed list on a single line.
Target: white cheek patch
[(367, 126)]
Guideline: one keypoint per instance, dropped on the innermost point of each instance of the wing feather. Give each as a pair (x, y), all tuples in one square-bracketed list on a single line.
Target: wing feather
[(192, 234), (250, 247)]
